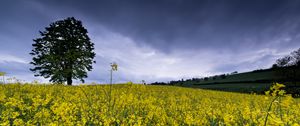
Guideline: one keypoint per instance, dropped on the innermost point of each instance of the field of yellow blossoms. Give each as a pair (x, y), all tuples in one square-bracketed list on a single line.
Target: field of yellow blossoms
[(133, 104)]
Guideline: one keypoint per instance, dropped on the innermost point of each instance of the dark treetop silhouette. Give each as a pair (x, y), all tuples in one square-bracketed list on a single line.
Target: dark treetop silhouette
[(289, 66), (64, 52)]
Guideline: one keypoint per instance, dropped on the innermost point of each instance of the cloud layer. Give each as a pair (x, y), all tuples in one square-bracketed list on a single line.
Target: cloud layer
[(158, 40)]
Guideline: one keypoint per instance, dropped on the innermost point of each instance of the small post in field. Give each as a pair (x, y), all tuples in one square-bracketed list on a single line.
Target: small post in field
[(3, 79), (114, 67)]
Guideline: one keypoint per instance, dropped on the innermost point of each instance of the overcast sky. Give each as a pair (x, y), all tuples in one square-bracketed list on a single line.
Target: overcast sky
[(157, 40)]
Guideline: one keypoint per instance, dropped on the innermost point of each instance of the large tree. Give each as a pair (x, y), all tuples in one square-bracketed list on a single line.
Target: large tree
[(63, 52)]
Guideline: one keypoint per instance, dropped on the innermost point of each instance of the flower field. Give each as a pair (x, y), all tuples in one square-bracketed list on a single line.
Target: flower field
[(132, 104)]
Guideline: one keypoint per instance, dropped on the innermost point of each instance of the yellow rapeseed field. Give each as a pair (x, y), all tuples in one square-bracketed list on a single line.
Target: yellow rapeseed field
[(133, 104)]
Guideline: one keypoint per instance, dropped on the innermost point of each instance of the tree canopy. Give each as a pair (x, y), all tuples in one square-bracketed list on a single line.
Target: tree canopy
[(2, 73), (63, 52), (290, 60), (289, 66)]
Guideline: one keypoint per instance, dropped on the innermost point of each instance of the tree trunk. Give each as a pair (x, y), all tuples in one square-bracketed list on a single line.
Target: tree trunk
[(69, 75), (69, 80)]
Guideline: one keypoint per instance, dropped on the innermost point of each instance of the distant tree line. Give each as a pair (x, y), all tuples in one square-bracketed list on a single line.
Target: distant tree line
[(195, 80), (288, 67)]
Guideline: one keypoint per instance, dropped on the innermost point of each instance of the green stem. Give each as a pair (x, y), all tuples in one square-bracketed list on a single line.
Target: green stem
[(270, 106)]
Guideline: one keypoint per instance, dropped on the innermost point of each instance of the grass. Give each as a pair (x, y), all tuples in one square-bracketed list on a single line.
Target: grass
[(236, 87), (242, 77)]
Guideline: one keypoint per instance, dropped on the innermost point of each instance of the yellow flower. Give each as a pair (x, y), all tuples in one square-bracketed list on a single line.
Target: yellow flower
[(18, 122), (132, 104)]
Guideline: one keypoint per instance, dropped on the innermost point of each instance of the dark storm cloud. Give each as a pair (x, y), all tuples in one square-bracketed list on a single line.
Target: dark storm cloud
[(195, 24), (156, 40), (20, 23)]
